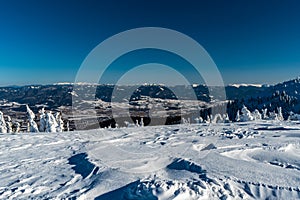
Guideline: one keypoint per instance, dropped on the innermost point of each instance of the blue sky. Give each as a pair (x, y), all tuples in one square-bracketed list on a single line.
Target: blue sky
[(250, 41)]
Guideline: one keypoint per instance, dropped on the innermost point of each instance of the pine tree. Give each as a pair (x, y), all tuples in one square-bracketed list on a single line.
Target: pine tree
[(3, 128), (42, 127), (60, 122), (9, 125), (31, 123), (51, 124)]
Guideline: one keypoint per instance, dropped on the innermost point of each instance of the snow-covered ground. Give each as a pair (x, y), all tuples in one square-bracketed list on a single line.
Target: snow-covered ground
[(246, 160)]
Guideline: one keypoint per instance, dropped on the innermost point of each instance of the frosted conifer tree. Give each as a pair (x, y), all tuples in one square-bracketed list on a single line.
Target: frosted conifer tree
[(237, 118), (60, 122), (32, 126), (9, 125), (51, 124), (68, 126), (137, 123), (3, 128), (16, 127), (279, 114), (265, 114), (42, 127)]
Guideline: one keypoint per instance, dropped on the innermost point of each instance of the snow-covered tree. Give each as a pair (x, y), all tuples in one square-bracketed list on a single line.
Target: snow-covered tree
[(16, 127), (246, 115), (9, 125), (279, 114), (51, 124), (33, 127), (256, 115), (68, 126), (238, 118), (42, 127), (264, 113), (3, 128), (31, 123), (30, 114), (137, 124), (60, 122)]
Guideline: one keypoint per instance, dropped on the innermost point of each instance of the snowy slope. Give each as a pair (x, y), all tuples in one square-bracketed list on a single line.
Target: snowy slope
[(251, 160)]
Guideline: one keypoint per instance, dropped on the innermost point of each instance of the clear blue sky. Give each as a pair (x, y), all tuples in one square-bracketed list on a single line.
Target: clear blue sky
[(252, 41)]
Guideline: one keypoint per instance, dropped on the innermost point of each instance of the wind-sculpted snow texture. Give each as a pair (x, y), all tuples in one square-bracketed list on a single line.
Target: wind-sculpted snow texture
[(245, 160)]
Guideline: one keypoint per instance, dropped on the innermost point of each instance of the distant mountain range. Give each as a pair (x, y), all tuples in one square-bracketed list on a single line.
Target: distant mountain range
[(61, 94), (56, 96)]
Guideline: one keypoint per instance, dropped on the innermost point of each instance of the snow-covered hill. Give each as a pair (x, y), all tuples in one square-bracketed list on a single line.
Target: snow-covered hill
[(250, 160)]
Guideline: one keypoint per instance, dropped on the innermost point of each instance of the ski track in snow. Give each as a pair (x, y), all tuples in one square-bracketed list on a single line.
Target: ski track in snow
[(249, 160)]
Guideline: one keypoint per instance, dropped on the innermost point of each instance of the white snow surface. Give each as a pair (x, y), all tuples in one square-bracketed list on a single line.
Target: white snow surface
[(246, 160)]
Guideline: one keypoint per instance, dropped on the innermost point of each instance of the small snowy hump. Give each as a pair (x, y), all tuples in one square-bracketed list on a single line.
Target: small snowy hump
[(181, 164), (81, 164)]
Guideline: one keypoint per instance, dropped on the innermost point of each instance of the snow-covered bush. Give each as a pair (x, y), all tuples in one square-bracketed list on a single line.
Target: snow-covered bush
[(198, 120), (226, 118), (3, 128), (32, 126), (128, 124), (186, 121), (273, 116), (256, 115), (294, 117), (218, 119), (246, 115)]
